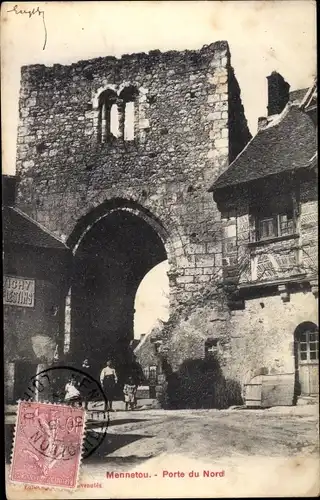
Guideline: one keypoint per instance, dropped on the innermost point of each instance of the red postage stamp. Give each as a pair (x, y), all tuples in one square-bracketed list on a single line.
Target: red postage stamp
[(47, 446)]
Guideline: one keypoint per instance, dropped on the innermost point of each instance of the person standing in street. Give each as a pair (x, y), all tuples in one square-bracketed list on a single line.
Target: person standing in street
[(72, 394), (108, 380), (129, 391)]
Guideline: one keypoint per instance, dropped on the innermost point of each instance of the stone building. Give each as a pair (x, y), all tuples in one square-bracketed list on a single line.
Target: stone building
[(36, 266), (268, 203), (115, 156)]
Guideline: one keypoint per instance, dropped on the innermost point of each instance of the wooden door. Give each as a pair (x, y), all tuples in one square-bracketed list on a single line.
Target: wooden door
[(308, 361), (252, 390)]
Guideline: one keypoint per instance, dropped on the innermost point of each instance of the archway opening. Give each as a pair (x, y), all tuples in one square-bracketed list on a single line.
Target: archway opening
[(152, 301), (110, 262)]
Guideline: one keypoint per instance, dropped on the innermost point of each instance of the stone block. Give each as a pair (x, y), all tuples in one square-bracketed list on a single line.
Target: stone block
[(221, 143), (144, 124), (204, 260), (22, 131), (193, 271), (184, 279), (223, 79), (213, 98), (212, 154), (222, 88), (216, 115), (186, 263), (30, 103), (213, 79), (196, 248), (221, 106), (205, 278), (224, 133), (28, 164), (192, 287), (215, 134)]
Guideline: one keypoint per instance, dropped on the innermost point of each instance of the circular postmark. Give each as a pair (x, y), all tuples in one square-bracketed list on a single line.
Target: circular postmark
[(49, 385)]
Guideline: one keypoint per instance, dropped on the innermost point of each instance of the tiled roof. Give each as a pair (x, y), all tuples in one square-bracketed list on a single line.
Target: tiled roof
[(313, 163), (287, 143), (297, 95), (310, 98), (19, 228)]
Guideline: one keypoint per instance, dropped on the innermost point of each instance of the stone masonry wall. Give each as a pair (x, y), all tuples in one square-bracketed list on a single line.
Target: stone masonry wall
[(182, 127), (259, 337), (262, 335)]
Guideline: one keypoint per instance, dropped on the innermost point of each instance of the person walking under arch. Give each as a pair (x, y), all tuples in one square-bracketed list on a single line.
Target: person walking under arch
[(108, 380)]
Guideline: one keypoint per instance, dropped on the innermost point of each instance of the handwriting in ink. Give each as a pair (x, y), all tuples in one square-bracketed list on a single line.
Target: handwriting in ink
[(30, 13)]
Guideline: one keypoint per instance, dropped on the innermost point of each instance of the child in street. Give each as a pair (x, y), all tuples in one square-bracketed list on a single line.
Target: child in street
[(129, 392), (72, 394)]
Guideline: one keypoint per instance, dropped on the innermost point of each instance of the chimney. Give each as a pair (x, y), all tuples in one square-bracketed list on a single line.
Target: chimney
[(278, 93), (262, 122), (9, 187)]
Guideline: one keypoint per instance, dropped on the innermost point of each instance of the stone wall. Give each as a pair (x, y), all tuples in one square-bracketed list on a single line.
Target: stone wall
[(182, 143), (32, 331), (262, 335), (259, 338), (32, 334)]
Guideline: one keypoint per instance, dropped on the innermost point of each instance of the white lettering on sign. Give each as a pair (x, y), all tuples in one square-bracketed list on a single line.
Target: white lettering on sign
[(18, 291)]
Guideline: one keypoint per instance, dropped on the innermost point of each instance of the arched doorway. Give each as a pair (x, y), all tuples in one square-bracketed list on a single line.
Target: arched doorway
[(113, 251), (306, 343)]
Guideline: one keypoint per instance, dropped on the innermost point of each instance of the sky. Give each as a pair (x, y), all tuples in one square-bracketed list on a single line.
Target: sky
[(152, 300), (263, 36)]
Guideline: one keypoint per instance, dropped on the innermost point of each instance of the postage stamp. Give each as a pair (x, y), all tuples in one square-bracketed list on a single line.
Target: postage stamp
[(50, 387), (48, 444)]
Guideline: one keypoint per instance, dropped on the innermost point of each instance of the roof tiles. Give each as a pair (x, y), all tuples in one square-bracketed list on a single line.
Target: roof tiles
[(19, 228), (288, 143)]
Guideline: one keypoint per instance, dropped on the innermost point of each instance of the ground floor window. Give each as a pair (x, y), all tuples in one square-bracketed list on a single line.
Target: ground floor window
[(308, 346), (307, 358)]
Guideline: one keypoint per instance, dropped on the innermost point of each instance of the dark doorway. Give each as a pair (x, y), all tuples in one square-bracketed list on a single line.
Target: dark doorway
[(109, 264), (23, 373)]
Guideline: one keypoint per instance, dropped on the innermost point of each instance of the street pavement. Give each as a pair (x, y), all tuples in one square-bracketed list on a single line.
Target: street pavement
[(139, 435), (280, 431), (249, 446)]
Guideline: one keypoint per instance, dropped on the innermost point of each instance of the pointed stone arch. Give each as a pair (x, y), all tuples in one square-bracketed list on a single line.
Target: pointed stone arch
[(114, 246)]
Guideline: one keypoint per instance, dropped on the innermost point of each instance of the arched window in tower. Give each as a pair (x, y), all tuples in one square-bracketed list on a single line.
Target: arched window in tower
[(108, 120), (129, 121), (114, 120), (128, 112)]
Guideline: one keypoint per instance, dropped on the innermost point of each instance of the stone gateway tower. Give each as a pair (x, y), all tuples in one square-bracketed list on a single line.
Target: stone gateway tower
[(115, 156)]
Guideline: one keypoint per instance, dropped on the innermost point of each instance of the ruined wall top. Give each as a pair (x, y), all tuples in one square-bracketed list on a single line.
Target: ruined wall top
[(153, 57)]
